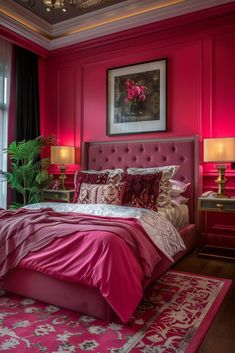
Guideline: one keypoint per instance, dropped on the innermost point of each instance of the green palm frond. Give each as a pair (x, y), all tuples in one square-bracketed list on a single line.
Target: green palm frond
[(15, 205), (28, 174)]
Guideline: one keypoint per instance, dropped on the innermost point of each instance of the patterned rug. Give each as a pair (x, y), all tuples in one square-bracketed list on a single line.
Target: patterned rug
[(174, 316)]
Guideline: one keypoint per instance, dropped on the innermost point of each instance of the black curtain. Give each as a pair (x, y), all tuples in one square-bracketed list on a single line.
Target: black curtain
[(27, 124)]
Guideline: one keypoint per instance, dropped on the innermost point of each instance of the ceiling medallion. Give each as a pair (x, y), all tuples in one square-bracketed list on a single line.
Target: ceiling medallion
[(63, 5)]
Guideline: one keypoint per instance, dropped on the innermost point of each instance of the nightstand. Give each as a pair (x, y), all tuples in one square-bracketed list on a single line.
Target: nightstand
[(214, 204), (57, 195)]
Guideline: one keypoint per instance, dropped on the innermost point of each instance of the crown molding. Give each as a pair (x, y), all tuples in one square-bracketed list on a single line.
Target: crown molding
[(24, 23), (20, 14), (119, 17)]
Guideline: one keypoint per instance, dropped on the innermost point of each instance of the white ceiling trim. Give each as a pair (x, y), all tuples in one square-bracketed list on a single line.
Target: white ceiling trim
[(122, 16)]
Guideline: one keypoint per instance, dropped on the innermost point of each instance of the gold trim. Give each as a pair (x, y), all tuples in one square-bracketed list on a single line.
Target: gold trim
[(25, 23), (119, 18)]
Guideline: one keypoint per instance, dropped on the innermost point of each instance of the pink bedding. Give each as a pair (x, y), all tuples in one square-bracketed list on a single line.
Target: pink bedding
[(112, 254)]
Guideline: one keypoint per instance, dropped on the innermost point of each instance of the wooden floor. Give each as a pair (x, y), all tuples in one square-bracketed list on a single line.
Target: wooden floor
[(221, 335)]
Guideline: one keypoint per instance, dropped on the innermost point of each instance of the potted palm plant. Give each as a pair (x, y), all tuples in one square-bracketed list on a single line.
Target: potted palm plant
[(28, 173)]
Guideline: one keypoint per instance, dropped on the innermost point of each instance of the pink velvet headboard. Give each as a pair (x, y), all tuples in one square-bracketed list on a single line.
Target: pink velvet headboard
[(149, 153)]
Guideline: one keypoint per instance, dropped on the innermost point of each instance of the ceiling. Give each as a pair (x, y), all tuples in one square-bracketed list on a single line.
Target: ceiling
[(97, 18), (57, 15)]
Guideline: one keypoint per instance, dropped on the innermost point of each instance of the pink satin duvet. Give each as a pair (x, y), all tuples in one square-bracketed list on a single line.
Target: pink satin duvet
[(114, 255)]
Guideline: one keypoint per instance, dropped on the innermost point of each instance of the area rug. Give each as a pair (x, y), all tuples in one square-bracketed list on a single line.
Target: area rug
[(174, 316)]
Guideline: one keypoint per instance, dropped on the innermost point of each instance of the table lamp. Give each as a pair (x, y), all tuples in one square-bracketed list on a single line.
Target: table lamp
[(62, 155), (220, 150)]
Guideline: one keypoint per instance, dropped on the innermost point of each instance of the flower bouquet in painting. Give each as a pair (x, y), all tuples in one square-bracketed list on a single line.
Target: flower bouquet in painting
[(135, 96)]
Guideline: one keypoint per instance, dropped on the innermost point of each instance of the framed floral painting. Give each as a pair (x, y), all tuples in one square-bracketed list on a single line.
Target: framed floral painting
[(136, 98)]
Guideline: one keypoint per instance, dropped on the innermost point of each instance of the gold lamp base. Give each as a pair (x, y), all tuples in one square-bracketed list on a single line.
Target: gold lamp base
[(62, 177), (221, 181)]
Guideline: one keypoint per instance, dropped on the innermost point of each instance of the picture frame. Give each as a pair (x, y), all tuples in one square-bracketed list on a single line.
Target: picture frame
[(136, 98)]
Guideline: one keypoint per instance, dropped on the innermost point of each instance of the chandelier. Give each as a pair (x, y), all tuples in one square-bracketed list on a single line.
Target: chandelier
[(63, 5)]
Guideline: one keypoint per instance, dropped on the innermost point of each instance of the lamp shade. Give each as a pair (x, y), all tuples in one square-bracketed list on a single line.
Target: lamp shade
[(62, 155), (219, 149)]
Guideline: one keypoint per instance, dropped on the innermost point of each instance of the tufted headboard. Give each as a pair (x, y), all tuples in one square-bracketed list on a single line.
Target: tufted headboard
[(149, 153)]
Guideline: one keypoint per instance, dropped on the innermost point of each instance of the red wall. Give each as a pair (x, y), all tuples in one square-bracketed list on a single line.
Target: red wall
[(201, 74)]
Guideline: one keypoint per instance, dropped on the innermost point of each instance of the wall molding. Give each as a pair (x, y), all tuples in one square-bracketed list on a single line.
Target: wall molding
[(102, 23)]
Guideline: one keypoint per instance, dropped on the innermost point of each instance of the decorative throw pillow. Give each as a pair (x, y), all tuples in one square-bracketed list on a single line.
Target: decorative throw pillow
[(163, 199), (83, 177), (105, 194), (177, 187), (141, 190)]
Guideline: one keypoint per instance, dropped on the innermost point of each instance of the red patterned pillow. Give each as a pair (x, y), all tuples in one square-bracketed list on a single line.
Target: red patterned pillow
[(106, 194), (142, 190), (82, 177)]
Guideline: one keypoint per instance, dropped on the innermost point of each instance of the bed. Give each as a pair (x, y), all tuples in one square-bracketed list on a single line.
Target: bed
[(109, 155)]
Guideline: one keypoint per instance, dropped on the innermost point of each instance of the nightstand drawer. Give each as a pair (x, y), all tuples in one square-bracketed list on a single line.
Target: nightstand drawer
[(58, 195), (216, 204)]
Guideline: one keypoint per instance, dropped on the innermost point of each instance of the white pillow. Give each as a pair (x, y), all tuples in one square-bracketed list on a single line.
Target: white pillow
[(177, 187)]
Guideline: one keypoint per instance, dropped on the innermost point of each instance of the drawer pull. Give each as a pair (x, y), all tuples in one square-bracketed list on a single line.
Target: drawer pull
[(219, 205)]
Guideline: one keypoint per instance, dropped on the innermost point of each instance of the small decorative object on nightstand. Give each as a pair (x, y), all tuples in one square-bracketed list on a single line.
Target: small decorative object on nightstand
[(57, 195), (209, 202)]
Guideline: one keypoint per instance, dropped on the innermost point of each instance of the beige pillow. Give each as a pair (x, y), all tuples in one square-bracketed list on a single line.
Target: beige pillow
[(167, 171), (101, 193), (114, 175)]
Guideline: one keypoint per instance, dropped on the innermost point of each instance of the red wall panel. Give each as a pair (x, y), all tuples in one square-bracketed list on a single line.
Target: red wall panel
[(94, 101), (66, 106), (223, 85)]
